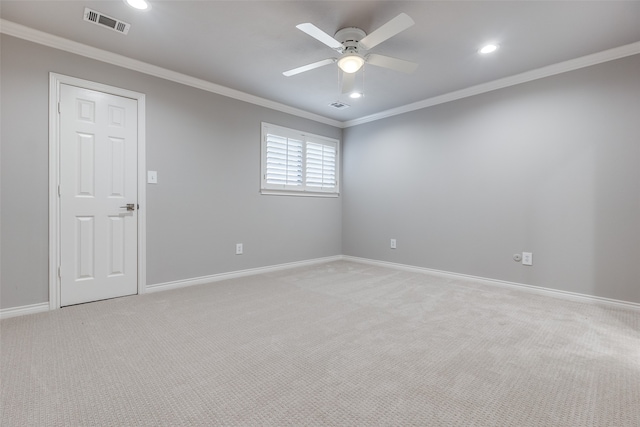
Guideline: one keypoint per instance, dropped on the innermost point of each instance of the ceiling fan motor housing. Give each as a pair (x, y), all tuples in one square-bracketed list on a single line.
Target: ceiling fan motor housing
[(350, 38)]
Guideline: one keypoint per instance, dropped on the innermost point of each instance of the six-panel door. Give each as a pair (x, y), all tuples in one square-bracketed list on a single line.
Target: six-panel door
[(98, 178)]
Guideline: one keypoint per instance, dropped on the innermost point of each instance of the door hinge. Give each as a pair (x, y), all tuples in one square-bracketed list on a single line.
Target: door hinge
[(58, 108), (59, 191), (59, 274)]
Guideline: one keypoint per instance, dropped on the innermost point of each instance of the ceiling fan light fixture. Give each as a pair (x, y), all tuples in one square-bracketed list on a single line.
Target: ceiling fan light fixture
[(351, 63), (138, 4)]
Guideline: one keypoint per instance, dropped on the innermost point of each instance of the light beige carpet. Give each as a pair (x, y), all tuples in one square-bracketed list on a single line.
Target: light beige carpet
[(337, 344)]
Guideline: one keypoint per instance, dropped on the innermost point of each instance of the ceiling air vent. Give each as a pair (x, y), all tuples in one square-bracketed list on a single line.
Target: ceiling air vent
[(339, 105), (106, 21)]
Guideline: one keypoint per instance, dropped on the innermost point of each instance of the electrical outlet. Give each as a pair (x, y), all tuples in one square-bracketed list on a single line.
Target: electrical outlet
[(239, 249), (393, 244), (527, 258)]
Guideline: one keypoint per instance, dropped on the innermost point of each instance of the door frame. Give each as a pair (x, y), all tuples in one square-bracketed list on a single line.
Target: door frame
[(55, 80)]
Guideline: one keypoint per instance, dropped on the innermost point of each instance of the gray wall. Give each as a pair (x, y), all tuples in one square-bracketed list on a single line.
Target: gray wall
[(550, 167), (206, 149)]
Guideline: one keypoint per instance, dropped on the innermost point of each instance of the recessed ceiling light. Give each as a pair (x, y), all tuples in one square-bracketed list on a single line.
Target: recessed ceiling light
[(355, 95), (138, 4), (489, 48)]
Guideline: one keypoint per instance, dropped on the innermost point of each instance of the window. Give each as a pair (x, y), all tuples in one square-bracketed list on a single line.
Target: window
[(295, 162)]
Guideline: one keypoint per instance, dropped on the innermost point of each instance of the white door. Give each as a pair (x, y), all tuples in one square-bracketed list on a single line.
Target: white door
[(98, 179)]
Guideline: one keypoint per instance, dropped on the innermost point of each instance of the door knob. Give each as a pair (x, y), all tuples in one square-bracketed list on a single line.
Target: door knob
[(129, 206)]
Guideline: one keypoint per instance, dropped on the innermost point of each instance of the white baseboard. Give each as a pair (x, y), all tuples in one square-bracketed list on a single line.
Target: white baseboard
[(555, 293), (44, 306), (235, 274), (6, 313)]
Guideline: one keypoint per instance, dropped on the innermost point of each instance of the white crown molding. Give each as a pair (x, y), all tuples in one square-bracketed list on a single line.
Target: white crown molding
[(554, 293), (539, 73), (46, 39)]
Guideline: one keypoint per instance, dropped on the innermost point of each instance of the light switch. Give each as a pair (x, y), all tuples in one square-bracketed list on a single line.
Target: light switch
[(152, 177)]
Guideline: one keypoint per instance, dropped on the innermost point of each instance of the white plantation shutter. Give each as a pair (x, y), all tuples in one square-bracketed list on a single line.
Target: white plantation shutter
[(284, 161), (321, 166), (297, 162)]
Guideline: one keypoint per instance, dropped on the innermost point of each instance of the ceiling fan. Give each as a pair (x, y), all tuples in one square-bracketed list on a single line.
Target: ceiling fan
[(352, 43)]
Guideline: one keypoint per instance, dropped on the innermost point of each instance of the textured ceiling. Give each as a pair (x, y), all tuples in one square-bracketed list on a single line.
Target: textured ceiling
[(246, 45)]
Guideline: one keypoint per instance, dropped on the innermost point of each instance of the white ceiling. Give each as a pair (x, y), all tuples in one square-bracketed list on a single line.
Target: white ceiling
[(246, 45)]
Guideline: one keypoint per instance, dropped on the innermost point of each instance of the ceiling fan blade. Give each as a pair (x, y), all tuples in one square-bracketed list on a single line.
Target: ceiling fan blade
[(348, 82), (319, 35), (391, 63), (388, 30), (309, 67)]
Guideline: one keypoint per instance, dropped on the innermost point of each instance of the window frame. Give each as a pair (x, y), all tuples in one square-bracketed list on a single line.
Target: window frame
[(306, 138)]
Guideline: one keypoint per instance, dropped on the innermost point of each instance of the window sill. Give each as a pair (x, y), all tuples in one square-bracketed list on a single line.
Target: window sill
[(298, 193)]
